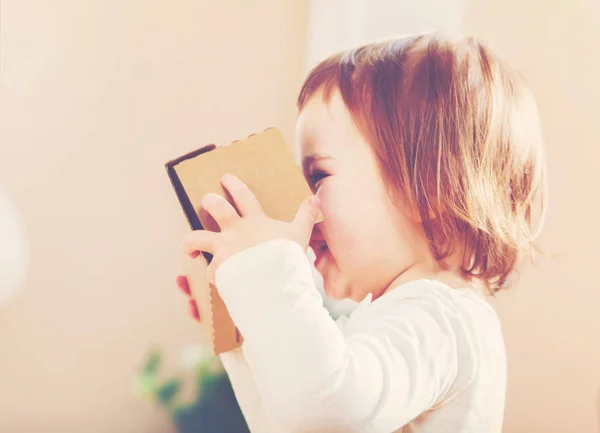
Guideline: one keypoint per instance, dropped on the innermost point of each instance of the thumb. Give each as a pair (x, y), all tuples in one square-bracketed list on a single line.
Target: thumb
[(308, 215)]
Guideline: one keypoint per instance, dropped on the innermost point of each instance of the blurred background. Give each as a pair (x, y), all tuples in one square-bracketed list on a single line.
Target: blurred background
[(96, 95)]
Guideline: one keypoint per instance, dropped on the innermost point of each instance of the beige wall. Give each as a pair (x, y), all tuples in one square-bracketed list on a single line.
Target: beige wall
[(96, 96), (552, 320)]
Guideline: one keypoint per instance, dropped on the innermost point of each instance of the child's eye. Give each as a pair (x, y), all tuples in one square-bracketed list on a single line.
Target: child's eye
[(316, 177)]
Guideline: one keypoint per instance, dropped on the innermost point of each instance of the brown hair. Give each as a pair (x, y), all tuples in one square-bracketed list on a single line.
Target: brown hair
[(456, 131)]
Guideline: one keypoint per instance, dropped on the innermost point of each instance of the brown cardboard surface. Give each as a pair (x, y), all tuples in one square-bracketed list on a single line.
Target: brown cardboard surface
[(265, 163)]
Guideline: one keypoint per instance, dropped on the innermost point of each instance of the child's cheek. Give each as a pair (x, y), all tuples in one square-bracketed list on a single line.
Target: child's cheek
[(340, 227)]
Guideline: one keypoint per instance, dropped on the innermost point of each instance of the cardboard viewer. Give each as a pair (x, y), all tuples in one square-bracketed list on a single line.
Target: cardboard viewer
[(265, 163)]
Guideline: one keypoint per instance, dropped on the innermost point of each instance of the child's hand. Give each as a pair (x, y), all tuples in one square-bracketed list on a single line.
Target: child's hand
[(182, 283), (252, 227)]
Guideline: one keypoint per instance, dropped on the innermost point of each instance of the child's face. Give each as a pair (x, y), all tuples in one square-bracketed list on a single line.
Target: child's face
[(364, 242)]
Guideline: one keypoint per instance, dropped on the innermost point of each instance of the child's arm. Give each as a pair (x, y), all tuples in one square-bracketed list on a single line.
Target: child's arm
[(308, 374), (246, 394)]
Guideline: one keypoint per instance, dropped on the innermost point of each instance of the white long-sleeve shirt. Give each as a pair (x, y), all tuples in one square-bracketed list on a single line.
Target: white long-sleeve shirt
[(421, 358)]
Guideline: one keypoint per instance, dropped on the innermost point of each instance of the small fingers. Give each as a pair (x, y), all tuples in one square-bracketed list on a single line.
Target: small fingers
[(220, 209), (182, 283), (243, 197), (306, 218), (199, 241), (193, 309)]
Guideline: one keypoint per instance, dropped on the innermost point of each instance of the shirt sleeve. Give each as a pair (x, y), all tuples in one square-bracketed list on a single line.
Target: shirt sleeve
[(308, 374), (246, 394)]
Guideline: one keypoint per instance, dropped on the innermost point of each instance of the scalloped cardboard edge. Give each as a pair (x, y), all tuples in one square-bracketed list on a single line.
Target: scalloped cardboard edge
[(266, 164)]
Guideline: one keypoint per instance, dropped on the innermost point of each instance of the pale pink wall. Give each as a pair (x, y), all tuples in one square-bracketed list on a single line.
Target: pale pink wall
[(552, 320), (96, 96)]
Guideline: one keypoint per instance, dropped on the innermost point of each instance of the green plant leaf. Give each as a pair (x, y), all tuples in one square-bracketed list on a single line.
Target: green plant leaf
[(145, 385), (167, 392), (153, 362)]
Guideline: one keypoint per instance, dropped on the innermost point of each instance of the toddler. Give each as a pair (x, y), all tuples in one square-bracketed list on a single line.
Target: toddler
[(425, 157)]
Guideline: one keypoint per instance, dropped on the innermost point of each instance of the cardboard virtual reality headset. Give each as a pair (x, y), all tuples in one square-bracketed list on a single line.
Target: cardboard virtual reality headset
[(265, 163)]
